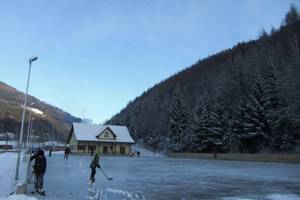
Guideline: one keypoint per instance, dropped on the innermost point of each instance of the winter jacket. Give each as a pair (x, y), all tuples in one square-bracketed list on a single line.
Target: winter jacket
[(67, 150), (95, 162), (40, 163)]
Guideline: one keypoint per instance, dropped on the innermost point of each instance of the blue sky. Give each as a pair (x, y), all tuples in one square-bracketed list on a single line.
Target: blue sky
[(96, 55)]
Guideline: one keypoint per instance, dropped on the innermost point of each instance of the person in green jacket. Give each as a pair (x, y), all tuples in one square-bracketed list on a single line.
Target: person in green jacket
[(93, 165)]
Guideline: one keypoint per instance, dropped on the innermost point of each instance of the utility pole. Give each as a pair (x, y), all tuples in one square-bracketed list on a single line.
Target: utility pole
[(32, 59)]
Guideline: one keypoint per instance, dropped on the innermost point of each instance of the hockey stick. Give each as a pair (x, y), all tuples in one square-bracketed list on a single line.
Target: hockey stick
[(108, 178)]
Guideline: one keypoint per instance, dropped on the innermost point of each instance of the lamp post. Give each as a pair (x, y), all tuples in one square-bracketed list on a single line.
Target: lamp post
[(32, 59)]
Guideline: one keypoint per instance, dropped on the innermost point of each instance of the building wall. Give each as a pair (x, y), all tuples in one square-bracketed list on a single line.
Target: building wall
[(104, 147), (73, 142)]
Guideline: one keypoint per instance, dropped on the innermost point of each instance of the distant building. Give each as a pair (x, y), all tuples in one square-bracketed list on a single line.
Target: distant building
[(106, 139)]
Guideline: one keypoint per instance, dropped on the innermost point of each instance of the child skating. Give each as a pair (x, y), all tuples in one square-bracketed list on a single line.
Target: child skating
[(93, 165), (39, 170)]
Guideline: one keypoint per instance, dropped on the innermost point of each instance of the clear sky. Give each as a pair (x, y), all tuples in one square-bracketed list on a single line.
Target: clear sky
[(97, 55)]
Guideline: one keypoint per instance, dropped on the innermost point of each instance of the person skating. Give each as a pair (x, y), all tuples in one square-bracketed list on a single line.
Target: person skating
[(39, 169), (92, 152), (50, 151), (67, 152), (93, 165)]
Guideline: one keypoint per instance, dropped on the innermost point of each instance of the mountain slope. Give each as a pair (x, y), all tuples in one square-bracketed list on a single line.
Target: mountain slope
[(244, 99), (54, 124)]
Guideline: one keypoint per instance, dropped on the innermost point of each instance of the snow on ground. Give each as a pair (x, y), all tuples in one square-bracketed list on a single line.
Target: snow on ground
[(7, 171), (145, 152), (7, 174)]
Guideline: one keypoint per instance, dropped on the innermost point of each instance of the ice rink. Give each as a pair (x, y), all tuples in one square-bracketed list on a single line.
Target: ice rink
[(169, 178)]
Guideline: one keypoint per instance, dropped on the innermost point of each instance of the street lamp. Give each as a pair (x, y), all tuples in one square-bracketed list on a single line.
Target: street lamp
[(32, 59)]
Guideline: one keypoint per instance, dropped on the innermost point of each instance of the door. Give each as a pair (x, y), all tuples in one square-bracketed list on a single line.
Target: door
[(122, 150), (105, 149)]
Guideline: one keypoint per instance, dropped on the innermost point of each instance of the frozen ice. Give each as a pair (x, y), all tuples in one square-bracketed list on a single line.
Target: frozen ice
[(162, 178)]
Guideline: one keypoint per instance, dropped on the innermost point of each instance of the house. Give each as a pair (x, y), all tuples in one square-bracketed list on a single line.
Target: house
[(105, 139)]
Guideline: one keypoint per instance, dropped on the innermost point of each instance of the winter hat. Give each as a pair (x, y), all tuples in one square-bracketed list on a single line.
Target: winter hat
[(40, 152)]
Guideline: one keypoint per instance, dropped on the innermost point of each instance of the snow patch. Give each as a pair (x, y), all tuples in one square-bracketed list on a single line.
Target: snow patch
[(128, 195), (34, 110), (115, 191)]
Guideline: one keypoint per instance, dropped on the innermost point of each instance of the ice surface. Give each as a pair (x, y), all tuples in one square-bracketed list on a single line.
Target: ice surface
[(269, 197), (168, 178), (19, 197)]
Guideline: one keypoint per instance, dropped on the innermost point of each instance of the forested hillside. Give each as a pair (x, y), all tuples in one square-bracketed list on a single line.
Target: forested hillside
[(243, 99), (53, 124)]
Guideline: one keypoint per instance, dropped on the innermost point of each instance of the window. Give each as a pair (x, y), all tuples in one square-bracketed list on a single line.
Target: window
[(106, 135)]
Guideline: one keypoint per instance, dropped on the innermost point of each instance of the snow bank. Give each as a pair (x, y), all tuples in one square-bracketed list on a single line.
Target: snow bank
[(19, 197), (7, 171)]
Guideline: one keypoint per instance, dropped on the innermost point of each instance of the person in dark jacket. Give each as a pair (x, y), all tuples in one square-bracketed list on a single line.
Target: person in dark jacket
[(50, 151), (39, 169), (67, 152), (92, 151), (93, 165)]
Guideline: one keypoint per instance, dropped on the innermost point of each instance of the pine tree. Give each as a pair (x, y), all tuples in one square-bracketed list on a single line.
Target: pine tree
[(238, 127), (292, 16), (250, 127), (199, 130), (178, 125), (212, 130), (256, 129), (277, 112)]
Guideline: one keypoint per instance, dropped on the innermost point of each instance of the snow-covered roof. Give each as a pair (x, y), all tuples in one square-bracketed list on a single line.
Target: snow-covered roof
[(88, 132)]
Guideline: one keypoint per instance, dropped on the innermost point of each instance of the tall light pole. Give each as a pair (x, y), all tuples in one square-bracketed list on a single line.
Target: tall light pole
[(32, 59)]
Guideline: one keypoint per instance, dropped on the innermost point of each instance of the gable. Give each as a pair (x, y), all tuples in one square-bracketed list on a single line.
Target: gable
[(107, 134)]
